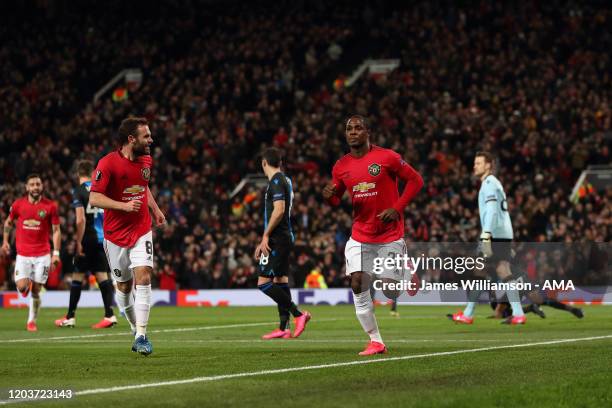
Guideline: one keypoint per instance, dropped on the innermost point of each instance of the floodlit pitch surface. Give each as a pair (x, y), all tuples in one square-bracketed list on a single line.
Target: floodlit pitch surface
[(214, 357)]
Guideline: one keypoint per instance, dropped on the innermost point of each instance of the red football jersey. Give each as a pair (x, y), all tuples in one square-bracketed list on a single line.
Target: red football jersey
[(33, 225), (121, 179), (372, 183)]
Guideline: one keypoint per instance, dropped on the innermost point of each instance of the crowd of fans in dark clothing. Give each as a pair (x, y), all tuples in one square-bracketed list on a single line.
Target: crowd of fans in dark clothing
[(529, 82)]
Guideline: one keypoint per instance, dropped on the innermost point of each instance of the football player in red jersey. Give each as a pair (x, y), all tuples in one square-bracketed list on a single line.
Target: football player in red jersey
[(370, 174), (121, 187), (35, 217)]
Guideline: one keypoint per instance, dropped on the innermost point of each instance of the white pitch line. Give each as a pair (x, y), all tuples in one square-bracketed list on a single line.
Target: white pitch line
[(318, 367), (181, 329), (294, 341)]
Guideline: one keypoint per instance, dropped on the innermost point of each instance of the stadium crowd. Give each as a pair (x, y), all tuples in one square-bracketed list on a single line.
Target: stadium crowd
[(528, 81)]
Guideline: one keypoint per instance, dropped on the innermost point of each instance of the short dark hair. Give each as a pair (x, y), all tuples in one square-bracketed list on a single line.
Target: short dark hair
[(129, 126), (488, 157), (31, 176), (363, 120), (85, 168), (273, 156)]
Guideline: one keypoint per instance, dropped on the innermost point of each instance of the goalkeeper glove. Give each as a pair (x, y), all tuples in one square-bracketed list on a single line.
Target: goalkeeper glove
[(485, 244)]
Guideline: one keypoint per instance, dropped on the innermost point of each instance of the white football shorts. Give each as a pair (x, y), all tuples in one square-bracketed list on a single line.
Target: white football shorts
[(35, 268), (370, 258), (122, 260)]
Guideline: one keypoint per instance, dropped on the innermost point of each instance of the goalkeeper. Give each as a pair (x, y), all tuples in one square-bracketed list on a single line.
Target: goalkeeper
[(495, 239)]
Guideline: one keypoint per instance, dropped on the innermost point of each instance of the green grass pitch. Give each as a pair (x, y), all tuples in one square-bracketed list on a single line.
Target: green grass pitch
[(214, 343)]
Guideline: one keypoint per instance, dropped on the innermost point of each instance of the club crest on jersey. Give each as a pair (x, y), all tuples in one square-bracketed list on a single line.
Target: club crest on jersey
[(146, 173), (42, 213), (374, 169), (98, 175)]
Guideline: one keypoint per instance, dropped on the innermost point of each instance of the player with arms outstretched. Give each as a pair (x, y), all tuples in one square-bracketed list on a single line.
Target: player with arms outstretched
[(35, 217), (275, 247), (370, 174), (89, 256), (121, 187), (495, 239)]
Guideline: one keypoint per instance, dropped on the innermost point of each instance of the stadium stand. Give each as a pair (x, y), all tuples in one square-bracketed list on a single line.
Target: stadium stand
[(532, 85)]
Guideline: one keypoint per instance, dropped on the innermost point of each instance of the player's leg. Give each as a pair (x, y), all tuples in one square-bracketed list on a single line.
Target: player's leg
[(395, 274), (41, 266), (467, 315), (119, 263), (358, 257), (24, 269), (141, 262), (283, 313), (75, 295), (394, 311), (534, 307), (505, 274), (474, 295), (270, 286), (555, 304), (142, 298), (107, 290), (276, 264)]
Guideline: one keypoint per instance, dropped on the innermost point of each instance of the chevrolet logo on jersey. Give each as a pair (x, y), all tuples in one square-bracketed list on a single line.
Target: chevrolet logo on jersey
[(134, 190), (31, 223), (363, 187)]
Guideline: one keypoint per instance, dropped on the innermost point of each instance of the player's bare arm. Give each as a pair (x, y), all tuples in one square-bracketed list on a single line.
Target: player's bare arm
[(101, 201), (158, 215), (57, 242), (81, 221), (6, 232), (277, 214)]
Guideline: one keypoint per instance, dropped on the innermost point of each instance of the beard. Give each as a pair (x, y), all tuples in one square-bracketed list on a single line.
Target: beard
[(141, 150), (34, 195)]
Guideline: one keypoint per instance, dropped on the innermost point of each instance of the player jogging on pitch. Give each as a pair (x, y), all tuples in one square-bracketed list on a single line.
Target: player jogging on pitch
[(275, 247), (121, 187), (89, 256), (495, 239), (370, 174), (35, 216)]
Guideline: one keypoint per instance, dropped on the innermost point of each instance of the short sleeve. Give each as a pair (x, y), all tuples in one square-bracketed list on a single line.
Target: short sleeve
[(14, 211), (100, 177), (277, 189), (77, 200), (147, 161), (336, 178), (54, 214)]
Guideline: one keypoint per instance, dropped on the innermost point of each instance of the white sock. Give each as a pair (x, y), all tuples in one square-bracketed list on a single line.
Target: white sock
[(515, 302), (34, 307), (364, 308), (125, 301), (469, 309), (142, 305)]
